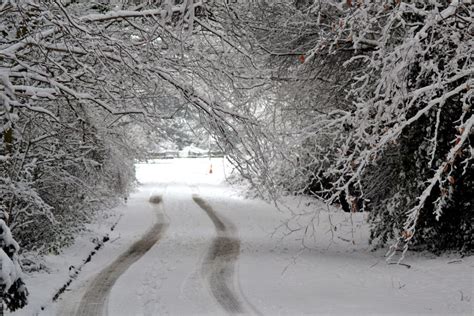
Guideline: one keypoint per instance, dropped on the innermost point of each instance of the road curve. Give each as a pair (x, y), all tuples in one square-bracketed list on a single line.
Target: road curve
[(218, 267), (94, 301)]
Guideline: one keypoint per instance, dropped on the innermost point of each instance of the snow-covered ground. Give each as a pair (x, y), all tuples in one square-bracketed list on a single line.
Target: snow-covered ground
[(221, 253)]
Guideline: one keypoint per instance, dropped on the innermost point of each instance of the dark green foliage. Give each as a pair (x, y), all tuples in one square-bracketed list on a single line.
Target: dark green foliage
[(402, 169), (16, 296)]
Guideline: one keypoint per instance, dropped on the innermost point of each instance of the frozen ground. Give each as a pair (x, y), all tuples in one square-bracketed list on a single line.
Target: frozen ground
[(201, 248)]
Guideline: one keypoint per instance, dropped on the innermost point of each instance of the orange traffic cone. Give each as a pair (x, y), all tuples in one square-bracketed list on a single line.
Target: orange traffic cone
[(210, 169)]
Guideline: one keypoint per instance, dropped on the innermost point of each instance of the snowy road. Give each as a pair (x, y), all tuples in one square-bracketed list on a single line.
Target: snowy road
[(203, 249), (193, 261), (218, 268), (94, 300)]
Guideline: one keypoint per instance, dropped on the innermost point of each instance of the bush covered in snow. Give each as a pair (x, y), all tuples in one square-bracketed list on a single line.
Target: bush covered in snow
[(14, 292)]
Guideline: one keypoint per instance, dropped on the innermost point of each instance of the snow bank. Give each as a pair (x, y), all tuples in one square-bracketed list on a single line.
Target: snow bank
[(9, 271)]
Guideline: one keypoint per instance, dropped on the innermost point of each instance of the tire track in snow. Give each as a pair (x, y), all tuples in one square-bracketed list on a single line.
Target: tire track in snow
[(218, 267), (94, 301)]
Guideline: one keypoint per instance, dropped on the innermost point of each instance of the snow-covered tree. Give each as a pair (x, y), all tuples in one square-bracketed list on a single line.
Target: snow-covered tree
[(369, 103)]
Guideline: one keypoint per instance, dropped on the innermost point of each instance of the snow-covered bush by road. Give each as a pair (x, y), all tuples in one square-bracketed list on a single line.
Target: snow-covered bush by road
[(10, 270), (13, 290)]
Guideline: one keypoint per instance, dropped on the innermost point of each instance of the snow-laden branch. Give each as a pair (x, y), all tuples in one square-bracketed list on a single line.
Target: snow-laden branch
[(198, 99), (454, 153), (439, 177)]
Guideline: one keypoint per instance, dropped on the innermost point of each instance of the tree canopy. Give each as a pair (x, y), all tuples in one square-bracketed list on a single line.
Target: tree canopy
[(362, 103)]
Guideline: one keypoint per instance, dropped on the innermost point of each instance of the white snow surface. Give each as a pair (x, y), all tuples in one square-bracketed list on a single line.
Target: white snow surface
[(336, 274), (9, 272)]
